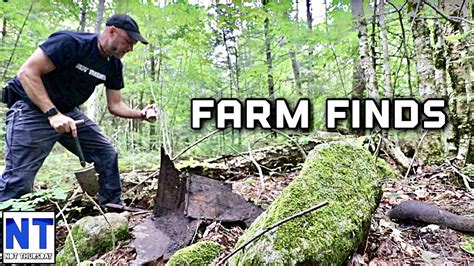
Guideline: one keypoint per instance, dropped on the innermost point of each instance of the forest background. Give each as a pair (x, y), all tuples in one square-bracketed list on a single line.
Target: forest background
[(259, 49)]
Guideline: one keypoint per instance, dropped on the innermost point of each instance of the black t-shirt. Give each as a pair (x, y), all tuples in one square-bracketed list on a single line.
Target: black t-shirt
[(79, 69)]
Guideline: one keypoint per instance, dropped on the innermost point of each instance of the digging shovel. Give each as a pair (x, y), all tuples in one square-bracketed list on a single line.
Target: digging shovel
[(86, 176)]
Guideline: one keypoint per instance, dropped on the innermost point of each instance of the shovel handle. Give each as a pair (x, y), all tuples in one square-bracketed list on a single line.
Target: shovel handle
[(79, 152)]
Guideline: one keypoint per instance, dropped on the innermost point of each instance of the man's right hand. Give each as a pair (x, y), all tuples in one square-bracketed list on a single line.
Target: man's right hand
[(63, 124)]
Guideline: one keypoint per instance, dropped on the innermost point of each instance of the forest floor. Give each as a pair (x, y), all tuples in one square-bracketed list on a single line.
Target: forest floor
[(388, 242)]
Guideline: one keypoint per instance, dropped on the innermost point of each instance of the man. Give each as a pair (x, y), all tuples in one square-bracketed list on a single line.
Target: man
[(58, 77)]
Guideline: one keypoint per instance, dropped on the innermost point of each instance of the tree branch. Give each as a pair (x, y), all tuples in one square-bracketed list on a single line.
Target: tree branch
[(416, 151), (74, 248), (197, 142), (465, 179), (16, 43), (272, 227), (449, 18)]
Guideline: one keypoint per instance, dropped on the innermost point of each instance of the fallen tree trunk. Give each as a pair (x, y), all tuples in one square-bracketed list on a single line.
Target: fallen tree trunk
[(341, 173), (417, 211), (270, 158)]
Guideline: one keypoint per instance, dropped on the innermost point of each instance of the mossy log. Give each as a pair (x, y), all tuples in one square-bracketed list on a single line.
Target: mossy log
[(343, 174)]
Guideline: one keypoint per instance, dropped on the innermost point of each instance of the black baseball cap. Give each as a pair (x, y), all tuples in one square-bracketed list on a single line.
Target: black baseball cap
[(127, 23)]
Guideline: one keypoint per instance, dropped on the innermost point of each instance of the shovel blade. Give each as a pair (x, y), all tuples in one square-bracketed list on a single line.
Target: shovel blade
[(87, 178)]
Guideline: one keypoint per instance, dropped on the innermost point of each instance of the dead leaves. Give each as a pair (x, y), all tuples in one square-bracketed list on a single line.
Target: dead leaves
[(391, 243)]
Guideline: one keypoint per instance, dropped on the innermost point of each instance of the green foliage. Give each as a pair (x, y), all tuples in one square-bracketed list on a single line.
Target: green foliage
[(29, 201), (191, 60), (210, 50), (142, 161), (58, 169), (468, 245)]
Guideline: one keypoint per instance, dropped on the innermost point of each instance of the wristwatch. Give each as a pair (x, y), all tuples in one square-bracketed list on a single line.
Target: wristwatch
[(51, 112)]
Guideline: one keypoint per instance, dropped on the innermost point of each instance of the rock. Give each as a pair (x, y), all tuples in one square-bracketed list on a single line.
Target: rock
[(341, 173), (93, 235), (201, 253)]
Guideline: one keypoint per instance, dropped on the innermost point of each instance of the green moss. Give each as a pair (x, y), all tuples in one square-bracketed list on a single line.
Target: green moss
[(92, 235), (342, 174), (385, 170), (201, 253)]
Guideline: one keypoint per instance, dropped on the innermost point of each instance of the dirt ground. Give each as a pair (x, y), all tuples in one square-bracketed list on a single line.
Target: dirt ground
[(388, 243)]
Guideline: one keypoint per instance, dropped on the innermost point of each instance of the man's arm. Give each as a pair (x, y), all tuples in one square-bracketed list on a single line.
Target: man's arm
[(37, 65), (117, 107), (30, 77)]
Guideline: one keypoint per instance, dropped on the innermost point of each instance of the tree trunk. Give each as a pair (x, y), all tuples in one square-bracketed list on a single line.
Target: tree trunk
[(231, 74), (440, 60), (151, 50), (469, 66), (358, 88), (229, 64), (309, 22), (431, 150), (423, 51), (406, 52), (100, 15), (152, 132), (386, 61), (4, 30), (459, 70), (365, 59), (294, 62), (358, 83), (329, 46), (309, 15), (82, 23), (268, 52), (297, 14), (237, 73), (449, 135), (91, 105), (3, 62), (296, 71)]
